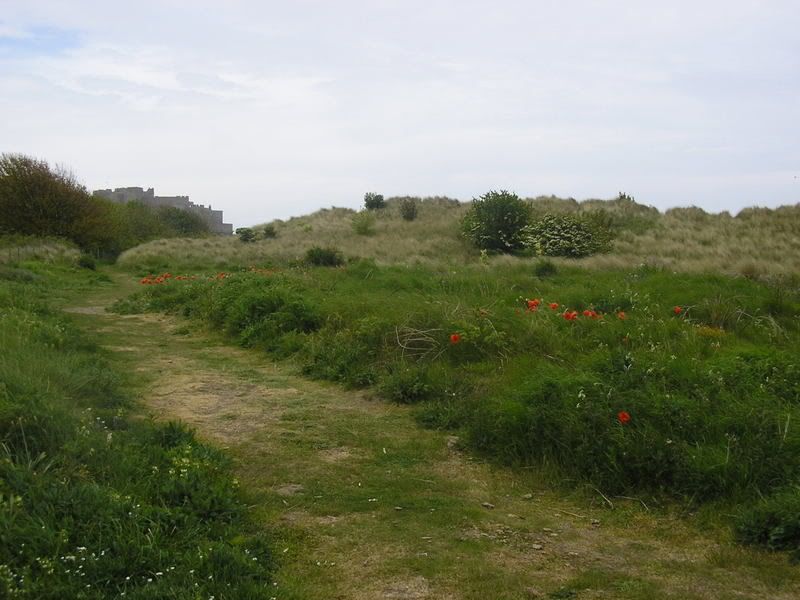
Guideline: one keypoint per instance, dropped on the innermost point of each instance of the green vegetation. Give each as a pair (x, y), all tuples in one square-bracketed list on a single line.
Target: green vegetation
[(373, 201), (408, 209), (37, 200), (636, 382), (246, 235), (95, 503), (324, 257), (364, 223), (497, 221)]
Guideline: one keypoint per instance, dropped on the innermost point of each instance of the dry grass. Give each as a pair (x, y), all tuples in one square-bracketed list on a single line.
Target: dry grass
[(756, 243), (15, 249)]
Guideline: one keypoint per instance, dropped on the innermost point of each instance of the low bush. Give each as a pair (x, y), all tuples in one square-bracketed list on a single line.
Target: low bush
[(324, 257), (246, 235), (544, 268), (408, 209), (363, 223), (774, 522), (268, 232), (86, 261)]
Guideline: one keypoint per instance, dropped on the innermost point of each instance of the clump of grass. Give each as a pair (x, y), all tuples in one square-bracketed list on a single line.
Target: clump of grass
[(324, 257)]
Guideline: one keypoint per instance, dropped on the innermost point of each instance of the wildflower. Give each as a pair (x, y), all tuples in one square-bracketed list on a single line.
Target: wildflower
[(623, 417), (455, 338), (533, 305), (553, 305), (588, 313), (570, 315), (677, 310), (621, 315)]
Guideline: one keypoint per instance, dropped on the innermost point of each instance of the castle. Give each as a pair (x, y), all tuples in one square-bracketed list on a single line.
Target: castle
[(136, 194)]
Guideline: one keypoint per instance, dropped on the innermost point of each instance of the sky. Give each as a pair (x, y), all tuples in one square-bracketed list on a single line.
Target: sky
[(275, 109)]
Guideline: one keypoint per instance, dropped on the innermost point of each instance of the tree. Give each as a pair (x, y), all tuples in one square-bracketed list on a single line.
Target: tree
[(373, 201), (246, 234)]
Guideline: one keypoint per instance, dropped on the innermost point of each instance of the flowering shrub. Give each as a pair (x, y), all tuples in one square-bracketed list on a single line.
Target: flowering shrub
[(563, 235)]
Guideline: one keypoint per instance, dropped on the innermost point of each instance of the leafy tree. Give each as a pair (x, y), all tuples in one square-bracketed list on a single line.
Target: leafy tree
[(182, 222)]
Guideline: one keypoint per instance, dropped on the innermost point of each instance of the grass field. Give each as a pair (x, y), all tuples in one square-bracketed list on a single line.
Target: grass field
[(670, 387), (757, 243)]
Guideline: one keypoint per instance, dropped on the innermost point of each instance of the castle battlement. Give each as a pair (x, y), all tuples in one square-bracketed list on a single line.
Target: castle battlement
[(136, 194)]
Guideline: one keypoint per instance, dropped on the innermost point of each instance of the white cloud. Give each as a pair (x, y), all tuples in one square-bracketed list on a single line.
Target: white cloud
[(270, 109)]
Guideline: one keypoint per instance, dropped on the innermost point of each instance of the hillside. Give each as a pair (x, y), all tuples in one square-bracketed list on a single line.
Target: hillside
[(757, 242)]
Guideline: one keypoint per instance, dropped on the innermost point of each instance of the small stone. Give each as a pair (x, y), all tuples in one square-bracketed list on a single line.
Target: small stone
[(527, 496), (595, 522), (546, 529), (398, 508), (537, 546), (553, 534), (573, 553), (487, 505)]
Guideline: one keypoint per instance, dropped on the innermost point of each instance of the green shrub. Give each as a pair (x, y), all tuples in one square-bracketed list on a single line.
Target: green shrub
[(564, 235), (496, 221), (406, 384), (324, 257), (373, 201), (86, 261), (246, 235), (408, 209), (544, 268), (269, 232), (773, 523), (363, 223)]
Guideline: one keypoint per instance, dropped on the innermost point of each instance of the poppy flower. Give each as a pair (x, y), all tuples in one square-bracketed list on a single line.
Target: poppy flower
[(571, 315), (553, 305), (534, 304), (623, 417), (455, 338), (677, 310), (588, 313), (621, 315)]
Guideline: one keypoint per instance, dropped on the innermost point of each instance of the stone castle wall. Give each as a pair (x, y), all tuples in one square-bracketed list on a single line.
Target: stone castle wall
[(136, 194)]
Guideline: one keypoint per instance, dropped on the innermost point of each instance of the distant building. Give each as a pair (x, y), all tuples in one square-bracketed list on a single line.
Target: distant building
[(136, 194)]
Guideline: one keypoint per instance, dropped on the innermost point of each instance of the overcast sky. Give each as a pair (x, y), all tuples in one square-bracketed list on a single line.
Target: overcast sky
[(272, 109)]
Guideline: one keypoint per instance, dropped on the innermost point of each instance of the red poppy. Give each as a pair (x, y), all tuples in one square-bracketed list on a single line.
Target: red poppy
[(677, 310), (571, 316), (588, 313), (623, 417), (533, 304), (621, 315), (455, 338), (553, 305)]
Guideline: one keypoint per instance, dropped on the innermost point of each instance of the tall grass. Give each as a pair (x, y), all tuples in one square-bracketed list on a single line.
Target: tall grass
[(756, 243), (94, 503)]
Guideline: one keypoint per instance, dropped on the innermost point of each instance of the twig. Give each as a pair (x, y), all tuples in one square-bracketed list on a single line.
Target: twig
[(636, 500), (571, 514), (610, 503)]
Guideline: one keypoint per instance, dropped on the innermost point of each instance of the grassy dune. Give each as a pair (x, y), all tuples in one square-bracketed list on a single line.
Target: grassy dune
[(757, 243)]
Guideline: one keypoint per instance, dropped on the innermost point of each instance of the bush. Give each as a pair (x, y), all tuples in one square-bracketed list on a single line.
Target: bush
[(363, 223), (406, 384), (496, 221), (564, 235), (408, 209), (324, 257), (773, 523), (86, 261), (246, 235), (544, 268), (269, 232), (373, 201)]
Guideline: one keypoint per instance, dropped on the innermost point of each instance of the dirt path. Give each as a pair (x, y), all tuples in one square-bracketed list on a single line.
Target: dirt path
[(365, 504)]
